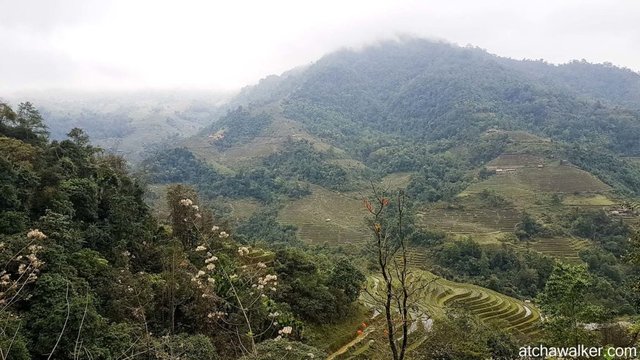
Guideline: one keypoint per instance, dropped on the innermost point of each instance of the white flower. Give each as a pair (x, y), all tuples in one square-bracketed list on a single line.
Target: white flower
[(198, 216), (211, 267), (223, 235), (195, 207), (36, 234), (211, 259), (201, 248), (215, 228), (286, 330), (288, 348), (261, 265), (278, 338), (243, 250), (211, 280), (186, 202), (310, 355), (200, 273)]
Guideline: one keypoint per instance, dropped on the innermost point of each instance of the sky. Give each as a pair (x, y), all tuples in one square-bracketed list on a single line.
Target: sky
[(225, 45)]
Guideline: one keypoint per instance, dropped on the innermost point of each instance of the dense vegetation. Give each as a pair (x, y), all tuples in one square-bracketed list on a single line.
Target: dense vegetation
[(89, 273)]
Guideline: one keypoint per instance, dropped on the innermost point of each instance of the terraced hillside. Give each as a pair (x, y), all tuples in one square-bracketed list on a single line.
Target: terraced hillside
[(431, 302), (327, 216), (484, 224), (335, 218), (565, 249), (437, 294), (523, 184)]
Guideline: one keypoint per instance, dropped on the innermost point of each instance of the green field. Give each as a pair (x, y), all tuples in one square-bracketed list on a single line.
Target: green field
[(328, 217), (430, 302), (565, 249)]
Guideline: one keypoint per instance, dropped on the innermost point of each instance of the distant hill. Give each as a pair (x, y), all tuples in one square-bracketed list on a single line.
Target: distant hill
[(126, 122)]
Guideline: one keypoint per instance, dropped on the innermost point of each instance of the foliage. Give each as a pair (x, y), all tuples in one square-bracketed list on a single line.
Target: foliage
[(298, 159), (461, 336), (285, 350), (498, 268), (263, 226), (238, 126), (313, 294), (89, 273), (566, 303)]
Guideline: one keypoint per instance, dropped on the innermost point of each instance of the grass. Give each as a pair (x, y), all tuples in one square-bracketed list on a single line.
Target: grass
[(587, 200), (565, 249), (330, 337), (327, 216), (397, 180)]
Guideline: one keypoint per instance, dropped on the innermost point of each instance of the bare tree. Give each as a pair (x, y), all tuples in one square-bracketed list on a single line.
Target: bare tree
[(390, 248)]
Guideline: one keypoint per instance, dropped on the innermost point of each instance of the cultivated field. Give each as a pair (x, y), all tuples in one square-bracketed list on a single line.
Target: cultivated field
[(565, 249), (329, 217), (432, 299), (485, 225)]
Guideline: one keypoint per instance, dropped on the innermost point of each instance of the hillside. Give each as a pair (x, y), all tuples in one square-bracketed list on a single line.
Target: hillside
[(510, 167), (448, 116)]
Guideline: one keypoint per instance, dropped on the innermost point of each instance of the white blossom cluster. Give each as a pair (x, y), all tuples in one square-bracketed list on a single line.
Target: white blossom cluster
[(186, 202), (270, 281), (243, 250), (189, 204), (217, 315), (27, 271), (36, 234)]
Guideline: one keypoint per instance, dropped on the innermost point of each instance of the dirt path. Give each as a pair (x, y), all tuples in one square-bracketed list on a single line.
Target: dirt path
[(352, 343)]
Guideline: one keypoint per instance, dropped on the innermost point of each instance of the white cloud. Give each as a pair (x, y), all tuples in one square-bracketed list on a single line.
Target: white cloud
[(228, 44)]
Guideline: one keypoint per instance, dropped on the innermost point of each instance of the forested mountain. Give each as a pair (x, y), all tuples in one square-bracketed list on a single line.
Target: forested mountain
[(386, 106), (501, 194)]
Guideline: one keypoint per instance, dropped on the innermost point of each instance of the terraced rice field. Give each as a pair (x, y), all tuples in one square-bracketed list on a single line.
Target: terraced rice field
[(470, 221), (488, 305), (438, 294), (565, 249), (327, 217), (561, 179), (522, 319), (515, 161), (526, 186)]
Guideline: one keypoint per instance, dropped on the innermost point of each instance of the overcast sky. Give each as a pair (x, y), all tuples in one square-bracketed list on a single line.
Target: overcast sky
[(214, 44)]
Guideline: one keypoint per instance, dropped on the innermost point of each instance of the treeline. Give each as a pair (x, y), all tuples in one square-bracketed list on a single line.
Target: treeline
[(281, 174)]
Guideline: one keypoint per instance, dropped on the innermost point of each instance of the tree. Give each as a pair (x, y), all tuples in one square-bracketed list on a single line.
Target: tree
[(29, 118), (564, 301), (390, 248)]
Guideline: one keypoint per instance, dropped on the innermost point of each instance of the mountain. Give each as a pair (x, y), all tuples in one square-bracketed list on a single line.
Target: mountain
[(396, 106), (126, 122), (514, 188)]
